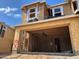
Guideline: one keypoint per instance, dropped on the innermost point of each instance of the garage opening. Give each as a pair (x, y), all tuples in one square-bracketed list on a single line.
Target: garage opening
[(55, 40)]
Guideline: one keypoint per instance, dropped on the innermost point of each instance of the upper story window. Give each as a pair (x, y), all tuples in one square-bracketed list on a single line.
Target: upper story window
[(2, 31), (57, 11), (32, 15), (76, 6)]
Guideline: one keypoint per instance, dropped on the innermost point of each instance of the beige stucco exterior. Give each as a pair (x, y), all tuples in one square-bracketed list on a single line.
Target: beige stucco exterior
[(71, 22), (6, 42)]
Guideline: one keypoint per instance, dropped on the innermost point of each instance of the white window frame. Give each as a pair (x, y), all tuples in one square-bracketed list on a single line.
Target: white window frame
[(61, 8), (28, 13), (75, 11), (2, 30)]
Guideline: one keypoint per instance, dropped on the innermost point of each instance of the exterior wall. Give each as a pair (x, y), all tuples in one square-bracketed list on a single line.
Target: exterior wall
[(74, 29), (24, 16), (46, 13), (23, 43), (72, 22), (67, 9), (41, 11), (7, 41), (16, 41)]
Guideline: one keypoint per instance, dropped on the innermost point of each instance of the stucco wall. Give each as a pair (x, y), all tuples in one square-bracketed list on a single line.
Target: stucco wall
[(72, 22), (6, 42), (67, 9), (74, 29)]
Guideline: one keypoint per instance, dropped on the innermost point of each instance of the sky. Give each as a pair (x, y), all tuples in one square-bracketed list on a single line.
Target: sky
[(10, 10)]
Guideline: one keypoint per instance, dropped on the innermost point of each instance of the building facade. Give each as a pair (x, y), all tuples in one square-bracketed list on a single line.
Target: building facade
[(48, 29), (6, 38)]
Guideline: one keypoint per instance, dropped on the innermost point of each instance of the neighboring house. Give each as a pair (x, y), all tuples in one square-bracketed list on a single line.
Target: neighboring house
[(48, 29), (6, 38)]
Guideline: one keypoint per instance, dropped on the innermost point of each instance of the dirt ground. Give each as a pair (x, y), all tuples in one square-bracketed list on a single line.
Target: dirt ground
[(25, 56)]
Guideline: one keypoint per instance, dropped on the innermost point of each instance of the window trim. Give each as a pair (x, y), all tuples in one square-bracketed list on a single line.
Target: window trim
[(75, 11), (2, 34), (28, 13), (61, 8)]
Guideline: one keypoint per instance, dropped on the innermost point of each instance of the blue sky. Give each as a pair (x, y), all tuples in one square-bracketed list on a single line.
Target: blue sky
[(10, 10)]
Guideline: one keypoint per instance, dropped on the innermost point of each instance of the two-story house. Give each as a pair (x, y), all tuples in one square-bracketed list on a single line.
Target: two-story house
[(48, 29)]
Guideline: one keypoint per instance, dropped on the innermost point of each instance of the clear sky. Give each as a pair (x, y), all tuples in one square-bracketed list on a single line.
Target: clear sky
[(10, 10)]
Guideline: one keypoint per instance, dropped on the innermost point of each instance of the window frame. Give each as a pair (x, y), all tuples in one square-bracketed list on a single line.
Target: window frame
[(2, 29), (61, 10), (28, 13), (75, 11)]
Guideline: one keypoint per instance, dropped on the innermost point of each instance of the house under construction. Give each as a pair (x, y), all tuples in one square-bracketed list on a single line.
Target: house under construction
[(48, 29)]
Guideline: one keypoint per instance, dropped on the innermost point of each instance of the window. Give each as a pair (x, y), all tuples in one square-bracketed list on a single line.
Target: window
[(57, 11), (32, 10), (32, 14), (2, 31), (76, 6)]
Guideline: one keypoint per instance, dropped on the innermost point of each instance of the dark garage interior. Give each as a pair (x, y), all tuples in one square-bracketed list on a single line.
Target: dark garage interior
[(55, 40)]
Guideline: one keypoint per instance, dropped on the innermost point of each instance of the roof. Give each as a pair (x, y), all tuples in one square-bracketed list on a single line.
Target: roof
[(3, 23), (57, 4), (37, 2)]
